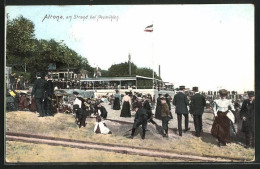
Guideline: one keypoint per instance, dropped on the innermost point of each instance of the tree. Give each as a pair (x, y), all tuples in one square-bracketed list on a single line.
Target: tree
[(104, 73), (20, 40), (122, 69), (147, 72), (22, 48)]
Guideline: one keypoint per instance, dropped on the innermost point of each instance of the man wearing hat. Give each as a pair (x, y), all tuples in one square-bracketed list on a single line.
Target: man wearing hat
[(38, 94), (223, 116), (141, 118), (79, 108), (197, 105), (48, 94), (247, 114), (181, 102)]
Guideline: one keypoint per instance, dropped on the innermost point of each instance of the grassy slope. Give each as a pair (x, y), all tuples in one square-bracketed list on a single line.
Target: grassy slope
[(62, 125), (45, 153)]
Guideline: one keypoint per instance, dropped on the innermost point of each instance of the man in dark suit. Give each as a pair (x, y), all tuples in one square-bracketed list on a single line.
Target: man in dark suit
[(197, 105), (48, 94), (141, 118), (181, 102), (79, 108), (247, 114), (38, 94)]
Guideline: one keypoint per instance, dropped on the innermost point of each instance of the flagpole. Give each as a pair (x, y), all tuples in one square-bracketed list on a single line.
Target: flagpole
[(150, 29), (153, 56), (153, 62)]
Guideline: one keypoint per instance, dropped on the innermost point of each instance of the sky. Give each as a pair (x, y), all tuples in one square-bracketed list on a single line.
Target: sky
[(209, 46)]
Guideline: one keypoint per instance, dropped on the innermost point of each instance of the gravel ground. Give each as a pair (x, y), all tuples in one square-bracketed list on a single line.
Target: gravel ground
[(156, 131)]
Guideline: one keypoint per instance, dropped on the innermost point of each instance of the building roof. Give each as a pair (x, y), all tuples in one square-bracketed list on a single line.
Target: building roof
[(116, 78)]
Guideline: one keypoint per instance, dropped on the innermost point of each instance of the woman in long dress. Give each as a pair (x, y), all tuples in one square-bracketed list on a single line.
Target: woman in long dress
[(223, 117), (158, 108), (125, 112), (116, 105)]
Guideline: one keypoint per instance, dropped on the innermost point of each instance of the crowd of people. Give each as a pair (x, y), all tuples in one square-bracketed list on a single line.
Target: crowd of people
[(18, 82), (225, 110)]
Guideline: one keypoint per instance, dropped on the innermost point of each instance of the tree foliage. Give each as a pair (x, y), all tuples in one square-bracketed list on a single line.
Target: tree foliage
[(20, 43), (147, 72), (122, 69), (22, 48)]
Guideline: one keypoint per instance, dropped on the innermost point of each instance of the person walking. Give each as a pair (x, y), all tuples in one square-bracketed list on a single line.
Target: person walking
[(48, 94), (197, 104), (247, 114), (165, 113), (38, 94), (79, 108), (223, 117), (181, 102), (158, 107)]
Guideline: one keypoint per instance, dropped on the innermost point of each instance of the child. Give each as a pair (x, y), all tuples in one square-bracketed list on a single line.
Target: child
[(100, 127)]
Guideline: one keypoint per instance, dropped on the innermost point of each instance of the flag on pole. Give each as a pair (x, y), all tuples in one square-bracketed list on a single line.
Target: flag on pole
[(149, 28)]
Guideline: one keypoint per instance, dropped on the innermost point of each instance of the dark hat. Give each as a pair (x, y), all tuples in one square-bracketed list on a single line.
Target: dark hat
[(223, 92), (76, 93), (251, 94), (182, 87), (166, 95), (38, 74), (195, 89)]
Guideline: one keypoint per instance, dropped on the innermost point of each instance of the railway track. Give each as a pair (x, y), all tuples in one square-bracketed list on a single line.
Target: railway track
[(39, 139)]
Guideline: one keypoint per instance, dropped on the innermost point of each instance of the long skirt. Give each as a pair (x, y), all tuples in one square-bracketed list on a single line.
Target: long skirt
[(221, 127), (23, 103), (116, 105), (125, 112), (158, 112), (32, 106)]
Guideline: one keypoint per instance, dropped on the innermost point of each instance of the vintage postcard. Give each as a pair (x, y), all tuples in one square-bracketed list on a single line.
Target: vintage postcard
[(129, 83)]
